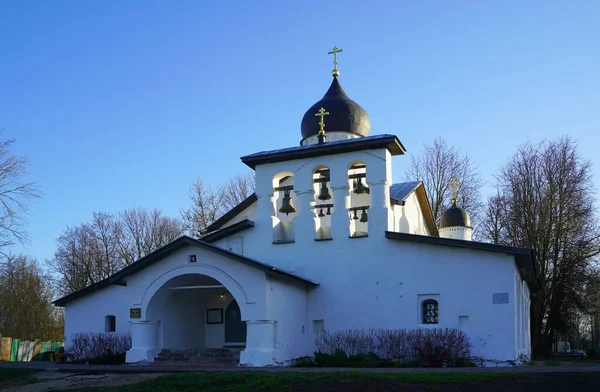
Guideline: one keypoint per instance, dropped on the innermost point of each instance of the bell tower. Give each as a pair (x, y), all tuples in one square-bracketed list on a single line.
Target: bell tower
[(335, 185)]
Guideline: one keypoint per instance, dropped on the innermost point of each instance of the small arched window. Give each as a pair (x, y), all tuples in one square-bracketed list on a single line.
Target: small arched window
[(110, 324), (430, 311)]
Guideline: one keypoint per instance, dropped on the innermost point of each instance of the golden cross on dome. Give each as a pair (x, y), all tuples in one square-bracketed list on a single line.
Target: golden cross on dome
[(454, 185), (322, 113), (334, 52)]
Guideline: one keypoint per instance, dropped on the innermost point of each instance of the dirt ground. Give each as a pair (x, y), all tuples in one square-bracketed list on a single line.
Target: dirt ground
[(51, 381)]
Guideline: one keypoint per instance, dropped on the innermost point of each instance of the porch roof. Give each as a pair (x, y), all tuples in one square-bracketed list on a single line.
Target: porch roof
[(119, 278)]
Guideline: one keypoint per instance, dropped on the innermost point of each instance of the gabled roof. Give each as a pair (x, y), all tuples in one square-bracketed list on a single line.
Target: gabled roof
[(181, 242), (524, 257), (399, 192), (391, 142), (247, 202), (227, 231)]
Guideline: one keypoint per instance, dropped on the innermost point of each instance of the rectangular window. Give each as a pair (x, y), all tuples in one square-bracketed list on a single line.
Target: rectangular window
[(318, 326), (235, 245)]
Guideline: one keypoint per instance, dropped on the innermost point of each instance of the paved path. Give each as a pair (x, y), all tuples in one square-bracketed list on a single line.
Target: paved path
[(177, 368)]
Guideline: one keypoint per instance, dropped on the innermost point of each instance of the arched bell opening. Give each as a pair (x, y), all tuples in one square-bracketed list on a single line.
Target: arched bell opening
[(285, 202), (323, 202), (192, 313), (360, 199)]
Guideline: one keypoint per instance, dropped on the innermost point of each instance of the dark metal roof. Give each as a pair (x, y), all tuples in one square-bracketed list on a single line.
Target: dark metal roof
[(390, 142), (119, 277), (455, 216), (524, 257), (345, 115), (227, 231), (247, 202), (402, 190)]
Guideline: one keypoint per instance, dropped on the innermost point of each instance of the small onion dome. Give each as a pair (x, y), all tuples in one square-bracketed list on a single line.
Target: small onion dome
[(345, 115), (455, 216)]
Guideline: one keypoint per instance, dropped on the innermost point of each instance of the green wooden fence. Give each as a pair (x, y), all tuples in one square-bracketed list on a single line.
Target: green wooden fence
[(20, 350)]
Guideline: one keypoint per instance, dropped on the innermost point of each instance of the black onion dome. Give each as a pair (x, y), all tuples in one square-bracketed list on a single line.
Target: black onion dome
[(455, 216), (345, 115)]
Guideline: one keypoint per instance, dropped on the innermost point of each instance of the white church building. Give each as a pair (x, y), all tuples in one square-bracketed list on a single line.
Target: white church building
[(327, 242)]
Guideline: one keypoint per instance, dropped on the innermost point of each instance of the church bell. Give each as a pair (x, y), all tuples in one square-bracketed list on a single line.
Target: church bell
[(355, 216), (360, 188), (286, 203), (321, 213), (324, 194), (363, 216)]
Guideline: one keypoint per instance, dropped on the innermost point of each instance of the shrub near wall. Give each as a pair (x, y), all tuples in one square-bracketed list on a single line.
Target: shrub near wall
[(396, 347), (98, 348)]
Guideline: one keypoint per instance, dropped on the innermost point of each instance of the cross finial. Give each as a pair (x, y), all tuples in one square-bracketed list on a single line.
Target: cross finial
[(334, 52), (322, 113), (454, 185)]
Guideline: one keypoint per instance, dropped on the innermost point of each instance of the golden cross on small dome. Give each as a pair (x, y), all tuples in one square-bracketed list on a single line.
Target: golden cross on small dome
[(334, 52), (322, 113), (454, 185)]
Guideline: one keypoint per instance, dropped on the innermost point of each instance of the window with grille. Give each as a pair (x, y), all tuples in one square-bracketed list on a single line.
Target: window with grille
[(430, 311)]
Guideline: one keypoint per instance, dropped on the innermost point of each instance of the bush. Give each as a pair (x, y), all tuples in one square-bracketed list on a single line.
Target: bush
[(378, 348), (98, 348), (303, 362), (108, 359), (58, 356), (341, 359)]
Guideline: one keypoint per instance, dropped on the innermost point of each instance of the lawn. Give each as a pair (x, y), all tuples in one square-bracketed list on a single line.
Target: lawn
[(10, 377), (305, 382), (362, 382)]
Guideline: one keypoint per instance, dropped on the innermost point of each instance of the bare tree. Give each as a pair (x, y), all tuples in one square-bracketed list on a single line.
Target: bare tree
[(93, 251), (595, 316), (492, 225), (237, 189), (15, 193), (25, 301), (144, 231), (436, 167), (209, 203), (545, 202)]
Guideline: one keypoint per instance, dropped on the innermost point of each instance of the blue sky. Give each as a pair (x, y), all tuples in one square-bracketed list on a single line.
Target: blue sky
[(124, 104)]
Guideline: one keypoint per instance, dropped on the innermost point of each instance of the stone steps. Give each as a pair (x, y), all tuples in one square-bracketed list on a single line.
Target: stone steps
[(200, 357)]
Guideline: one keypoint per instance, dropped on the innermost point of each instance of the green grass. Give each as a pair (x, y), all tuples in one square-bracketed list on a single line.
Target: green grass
[(12, 377), (272, 381)]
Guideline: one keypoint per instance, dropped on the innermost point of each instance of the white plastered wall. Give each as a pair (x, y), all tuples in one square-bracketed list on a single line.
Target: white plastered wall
[(87, 314), (408, 218), (288, 306)]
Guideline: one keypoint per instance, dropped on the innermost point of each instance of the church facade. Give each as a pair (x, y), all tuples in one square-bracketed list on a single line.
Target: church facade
[(327, 242)]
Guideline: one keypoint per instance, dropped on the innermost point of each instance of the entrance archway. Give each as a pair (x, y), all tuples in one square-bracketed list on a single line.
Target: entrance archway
[(193, 312)]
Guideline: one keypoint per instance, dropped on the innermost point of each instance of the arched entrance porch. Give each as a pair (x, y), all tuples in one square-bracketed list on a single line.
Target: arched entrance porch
[(196, 311), (185, 310)]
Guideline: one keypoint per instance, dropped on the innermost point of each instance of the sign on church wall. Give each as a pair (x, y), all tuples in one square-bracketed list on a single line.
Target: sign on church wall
[(135, 313), (500, 298)]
